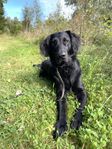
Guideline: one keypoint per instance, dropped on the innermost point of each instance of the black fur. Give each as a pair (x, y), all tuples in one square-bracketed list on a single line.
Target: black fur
[(64, 69)]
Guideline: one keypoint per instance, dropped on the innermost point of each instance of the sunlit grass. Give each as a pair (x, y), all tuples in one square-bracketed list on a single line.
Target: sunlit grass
[(27, 121)]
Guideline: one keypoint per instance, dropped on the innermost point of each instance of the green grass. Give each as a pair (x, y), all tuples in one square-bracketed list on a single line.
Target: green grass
[(26, 122)]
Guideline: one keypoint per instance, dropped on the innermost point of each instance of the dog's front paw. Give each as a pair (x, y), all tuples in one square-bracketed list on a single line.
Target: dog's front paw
[(76, 122), (60, 129)]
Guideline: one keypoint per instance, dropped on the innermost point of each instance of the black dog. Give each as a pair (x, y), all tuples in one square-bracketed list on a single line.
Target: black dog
[(64, 69)]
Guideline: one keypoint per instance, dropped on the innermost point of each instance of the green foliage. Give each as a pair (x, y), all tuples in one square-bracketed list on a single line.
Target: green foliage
[(2, 18), (12, 26), (91, 18), (54, 24)]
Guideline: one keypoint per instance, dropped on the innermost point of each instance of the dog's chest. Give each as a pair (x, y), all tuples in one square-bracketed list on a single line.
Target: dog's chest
[(66, 74)]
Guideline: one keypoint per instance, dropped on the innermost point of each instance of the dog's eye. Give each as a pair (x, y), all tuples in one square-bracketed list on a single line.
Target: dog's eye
[(55, 42), (65, 40)]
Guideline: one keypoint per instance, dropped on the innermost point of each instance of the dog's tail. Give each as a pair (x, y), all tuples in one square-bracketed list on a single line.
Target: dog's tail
[(37, 65)]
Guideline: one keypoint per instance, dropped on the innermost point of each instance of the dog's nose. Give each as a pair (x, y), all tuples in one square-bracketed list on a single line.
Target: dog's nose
[(62, 55)]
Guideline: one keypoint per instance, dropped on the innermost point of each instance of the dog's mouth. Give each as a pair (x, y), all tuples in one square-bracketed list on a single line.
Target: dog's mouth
[(61, 61)]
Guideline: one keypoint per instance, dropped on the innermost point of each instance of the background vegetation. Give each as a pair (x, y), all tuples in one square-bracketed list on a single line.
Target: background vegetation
[(27, 102)]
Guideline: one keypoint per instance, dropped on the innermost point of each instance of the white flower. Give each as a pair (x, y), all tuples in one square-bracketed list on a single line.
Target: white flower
[(19, 93)]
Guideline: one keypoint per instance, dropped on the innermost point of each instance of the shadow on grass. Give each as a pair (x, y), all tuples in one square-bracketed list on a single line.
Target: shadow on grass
[(32, 78), (74, 139)]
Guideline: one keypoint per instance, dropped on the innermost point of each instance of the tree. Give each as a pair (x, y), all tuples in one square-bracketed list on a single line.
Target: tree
[(93, 9), (27, 17), (31, 15), (2, 18), (56, 20), (71, 2), (36, 12), (91, 16)]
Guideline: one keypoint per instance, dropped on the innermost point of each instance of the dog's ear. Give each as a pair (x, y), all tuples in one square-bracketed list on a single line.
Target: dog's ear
[(44, 46), (75, 42)]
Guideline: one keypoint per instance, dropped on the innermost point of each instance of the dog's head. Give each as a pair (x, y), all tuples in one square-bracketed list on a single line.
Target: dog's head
[(61, 47)]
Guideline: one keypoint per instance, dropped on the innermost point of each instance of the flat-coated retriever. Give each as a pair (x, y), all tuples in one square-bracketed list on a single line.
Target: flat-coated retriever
[(64, 69)]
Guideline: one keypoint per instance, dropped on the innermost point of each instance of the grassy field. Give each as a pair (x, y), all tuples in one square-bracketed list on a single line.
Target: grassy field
[(26, 121)]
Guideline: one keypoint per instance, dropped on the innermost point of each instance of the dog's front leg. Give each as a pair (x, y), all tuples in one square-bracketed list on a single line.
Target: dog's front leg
[(79, 90), (61, 124)]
